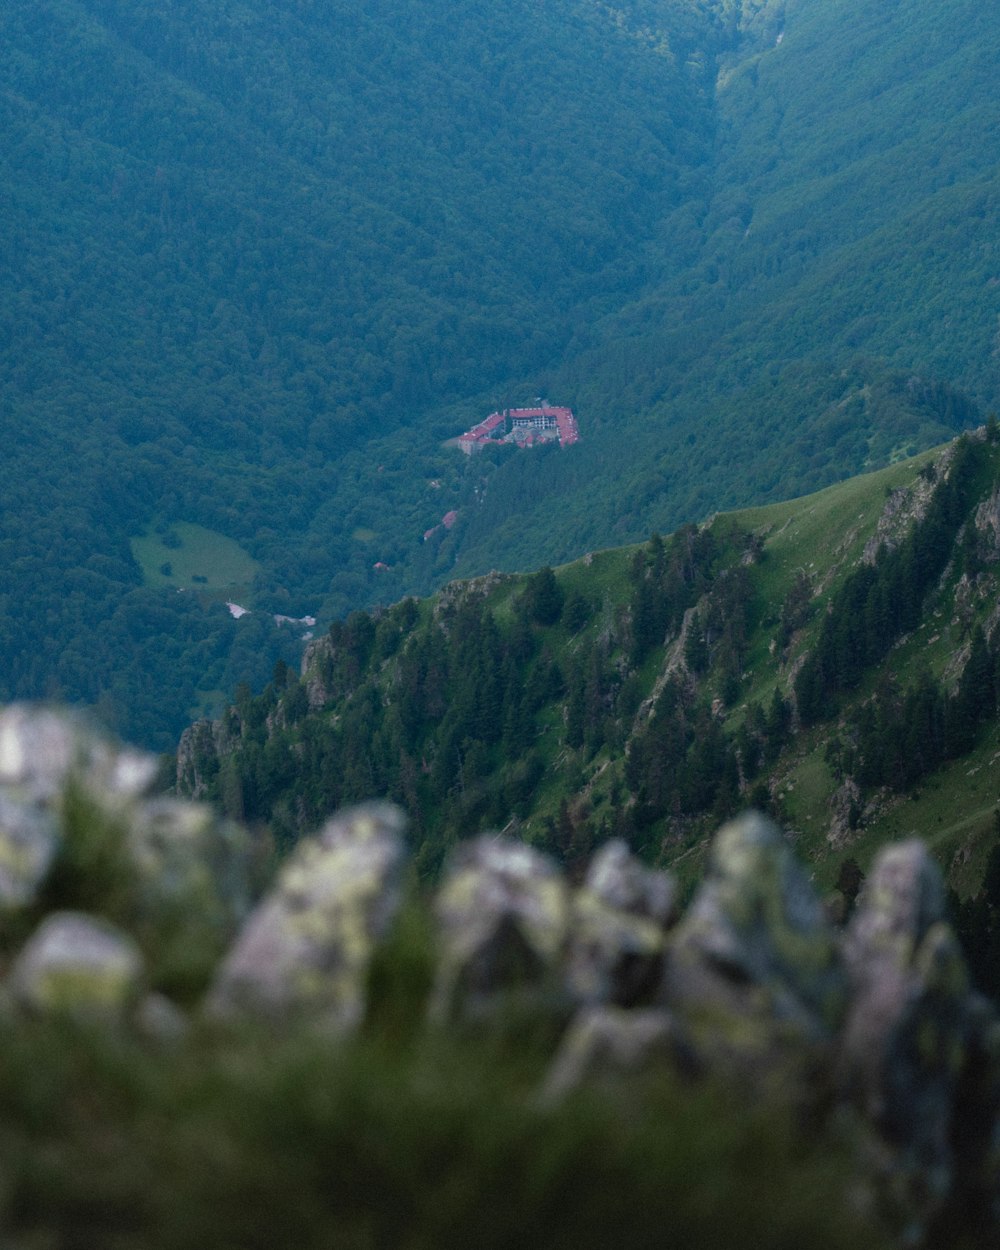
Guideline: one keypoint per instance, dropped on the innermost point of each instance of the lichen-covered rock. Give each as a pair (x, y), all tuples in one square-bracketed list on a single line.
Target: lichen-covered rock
[(609, 1044), (906, 1038), (201, 747), (77, 965), (44, 754), (305, 950), (64, 783), (754, 963), (29, 837), (619, 921), (42, 748), (187, 854), (621, 881), (503, 913)]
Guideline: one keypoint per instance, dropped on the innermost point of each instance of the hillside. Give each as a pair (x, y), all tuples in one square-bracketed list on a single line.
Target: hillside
[(241, 243), (831, 660), (259, 265)]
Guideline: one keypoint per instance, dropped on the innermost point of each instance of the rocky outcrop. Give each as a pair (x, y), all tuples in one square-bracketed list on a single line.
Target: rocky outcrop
[(201, 747), (619, 925), (79, 966), (906, 1036), (904, 507), (316, 664), (503, 918), (987, 524), (454, 594), (305, 951), (607, 1044), (870, 1034), (77, 819), (753, 967)]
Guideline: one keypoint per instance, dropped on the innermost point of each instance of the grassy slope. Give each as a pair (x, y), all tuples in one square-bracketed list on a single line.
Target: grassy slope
[(825, 534)]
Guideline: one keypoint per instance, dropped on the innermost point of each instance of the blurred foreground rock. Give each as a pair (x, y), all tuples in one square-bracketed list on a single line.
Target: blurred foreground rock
[(306, 949), (871, 1034), (503, 913), (60, 779), (78, 966)]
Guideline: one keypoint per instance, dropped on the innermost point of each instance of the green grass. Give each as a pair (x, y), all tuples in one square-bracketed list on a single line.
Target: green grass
[(248, 1144), (806, 789), (798, 532), (952, 810), (203, 560)]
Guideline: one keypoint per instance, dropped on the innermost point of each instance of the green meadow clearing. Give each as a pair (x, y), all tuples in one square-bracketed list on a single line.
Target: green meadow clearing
[(192, 557)]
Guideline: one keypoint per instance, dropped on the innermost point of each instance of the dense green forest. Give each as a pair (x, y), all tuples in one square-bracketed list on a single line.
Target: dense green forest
[(834, 661), (259, 263)]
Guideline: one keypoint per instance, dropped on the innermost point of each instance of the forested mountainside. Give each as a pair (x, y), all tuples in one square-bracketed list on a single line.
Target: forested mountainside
[(833, 661), (260, 262)]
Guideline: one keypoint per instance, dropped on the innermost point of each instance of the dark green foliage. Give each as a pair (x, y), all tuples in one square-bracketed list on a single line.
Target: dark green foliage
[(258, 265), (577, 612), (696, 653), (542, 598), (977, 922), (880, 601), (796, 609), (849, 881), (667, 579), (245, 1142), (455, 713), (239, 249)]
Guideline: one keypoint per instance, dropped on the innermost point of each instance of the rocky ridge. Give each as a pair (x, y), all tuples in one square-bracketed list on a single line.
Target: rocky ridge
[(869, 1032)]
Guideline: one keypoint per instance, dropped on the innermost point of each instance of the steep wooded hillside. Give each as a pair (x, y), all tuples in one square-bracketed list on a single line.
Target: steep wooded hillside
[(832, 660)]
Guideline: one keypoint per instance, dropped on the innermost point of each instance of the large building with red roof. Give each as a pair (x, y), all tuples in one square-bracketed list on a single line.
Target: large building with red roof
[(525, 427)]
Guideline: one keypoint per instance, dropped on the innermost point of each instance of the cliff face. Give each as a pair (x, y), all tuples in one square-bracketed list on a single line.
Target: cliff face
[(868, 1034)]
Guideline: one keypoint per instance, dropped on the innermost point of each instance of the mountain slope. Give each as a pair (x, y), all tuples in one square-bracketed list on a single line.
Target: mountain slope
[(847, 231), (832, 659)]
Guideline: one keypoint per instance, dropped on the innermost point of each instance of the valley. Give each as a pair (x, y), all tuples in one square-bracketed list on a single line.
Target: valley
[(524, 480), (251, 288)]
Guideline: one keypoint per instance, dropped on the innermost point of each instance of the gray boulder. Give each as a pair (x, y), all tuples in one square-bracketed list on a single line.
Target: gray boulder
[(619, 922), (186, 854), (79, 966), (62, 779), (503, 913), (305, 950), (29, 838), (908, 1032), (753, 967), (608, 1046), (41, 748), (43, 753)]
